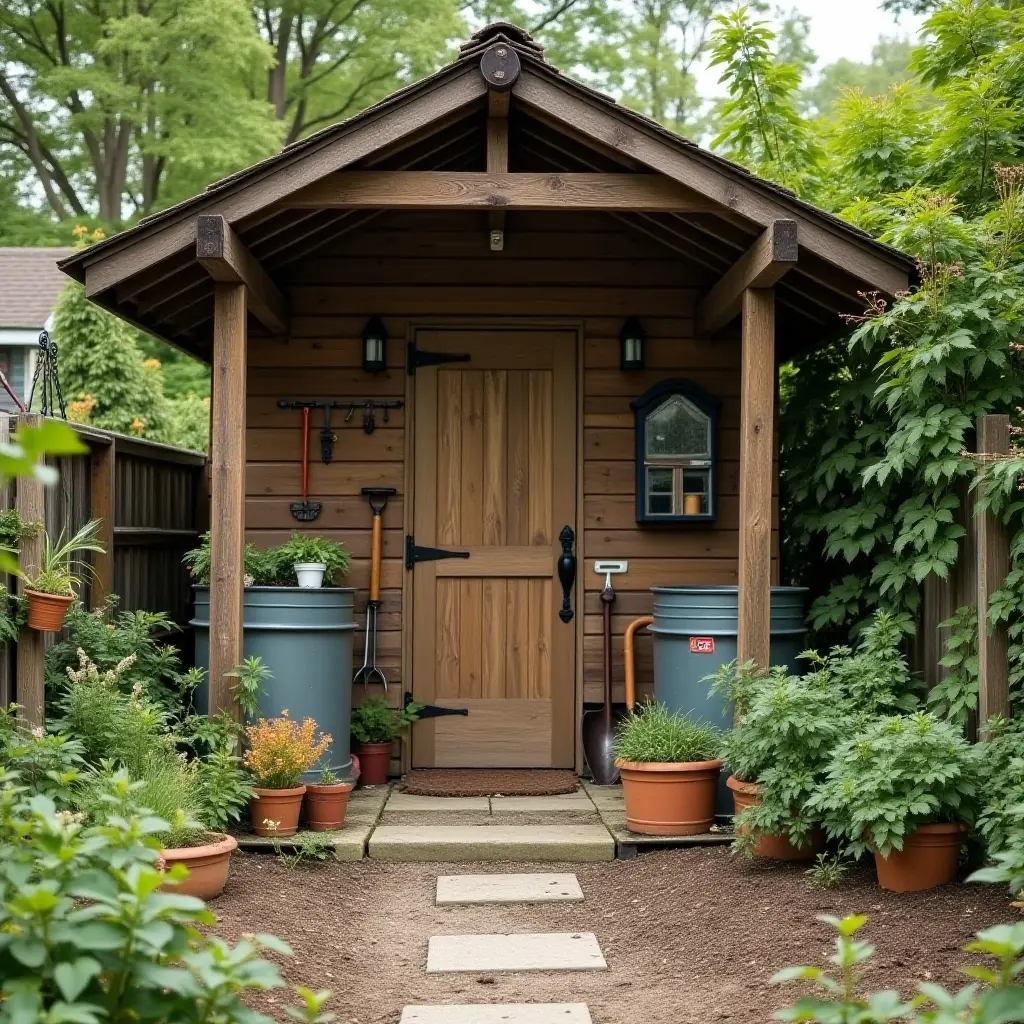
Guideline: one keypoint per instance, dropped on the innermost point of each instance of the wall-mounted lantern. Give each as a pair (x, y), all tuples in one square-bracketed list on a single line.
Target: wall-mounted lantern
[(375, 343), (631, 343)]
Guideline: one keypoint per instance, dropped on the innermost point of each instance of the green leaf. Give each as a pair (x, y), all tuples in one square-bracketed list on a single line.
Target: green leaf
[(72, 977)]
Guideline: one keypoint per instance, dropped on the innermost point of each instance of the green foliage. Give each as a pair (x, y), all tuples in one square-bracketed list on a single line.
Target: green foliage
[(48, 764), (896, 773), (827, 872), (836, 998), (655, 734), (327, 777), (305, 848), (262, 567), (303, 547), (374, 722), (61, 566), (223, 788), (955, 696), (251, 676)]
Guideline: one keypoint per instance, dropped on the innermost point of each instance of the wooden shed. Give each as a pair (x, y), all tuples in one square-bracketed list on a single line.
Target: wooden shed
[(546, 268)]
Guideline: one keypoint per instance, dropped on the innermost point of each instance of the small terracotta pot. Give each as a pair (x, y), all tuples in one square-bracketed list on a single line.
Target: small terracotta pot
[(46, 612), (280, 805), (326, 806), (374, 762), (669, 799), (748, 794), (207, 866), (930, 857)]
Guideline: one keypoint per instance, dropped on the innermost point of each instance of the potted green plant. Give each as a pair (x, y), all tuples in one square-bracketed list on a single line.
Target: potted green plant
[(280, 750), (669, 765), (375, 726), (326, 801), (51, 586), (904, 787), (314, 560)]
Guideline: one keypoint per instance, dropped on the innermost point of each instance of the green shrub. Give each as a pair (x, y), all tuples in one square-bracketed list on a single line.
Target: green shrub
[(654, 734), (262, 567), (374, 722), (223, 787), (898, 772), (302, 547), (48, 764)]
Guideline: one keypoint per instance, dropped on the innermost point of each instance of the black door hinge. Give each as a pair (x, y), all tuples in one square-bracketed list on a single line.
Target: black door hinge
[(417, 357), (432, 710), (414, 553)]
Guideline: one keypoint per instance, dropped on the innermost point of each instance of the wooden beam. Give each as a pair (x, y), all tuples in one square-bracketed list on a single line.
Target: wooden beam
[(102, 506), (454, 190), (757, 400), (498, 103), (993, 547), (764, 263), (30, 501), (227, 485), (226, 260), (497, 163)]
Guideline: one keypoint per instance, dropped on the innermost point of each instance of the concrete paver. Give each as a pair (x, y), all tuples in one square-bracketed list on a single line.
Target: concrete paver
[(565, 803), (550, 951), (498, 1013), (454, 890), (567, 842), (445, 804)]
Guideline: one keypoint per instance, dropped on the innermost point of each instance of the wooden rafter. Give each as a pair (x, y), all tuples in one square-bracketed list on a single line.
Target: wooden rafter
[(454, 190), (761, 266), (226, 260)]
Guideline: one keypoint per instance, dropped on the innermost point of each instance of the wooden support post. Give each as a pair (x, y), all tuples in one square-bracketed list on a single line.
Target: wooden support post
[(227, 514), (497, 163), (30, 503), (6, 651), (993, 547), (757, 399), (102, 506)]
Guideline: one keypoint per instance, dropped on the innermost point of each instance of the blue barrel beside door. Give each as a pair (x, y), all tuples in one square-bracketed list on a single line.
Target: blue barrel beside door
[(695, 633)]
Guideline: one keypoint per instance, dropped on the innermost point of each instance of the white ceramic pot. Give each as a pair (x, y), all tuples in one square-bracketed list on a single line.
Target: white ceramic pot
[(310, 574)]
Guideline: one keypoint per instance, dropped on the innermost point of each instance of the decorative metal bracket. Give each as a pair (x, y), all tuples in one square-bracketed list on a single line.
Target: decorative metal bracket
[(417, 357), (566, 572), (414, 553), (432, 710)]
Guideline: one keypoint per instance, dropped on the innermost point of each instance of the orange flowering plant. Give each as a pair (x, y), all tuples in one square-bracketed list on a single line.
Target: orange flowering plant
[(280, 750)]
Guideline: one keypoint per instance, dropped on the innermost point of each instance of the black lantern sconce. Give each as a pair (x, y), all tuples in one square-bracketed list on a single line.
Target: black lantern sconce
[(375, 346), (631, 345)]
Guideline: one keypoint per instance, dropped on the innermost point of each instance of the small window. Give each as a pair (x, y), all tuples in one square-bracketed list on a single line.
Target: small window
[(675, 454)]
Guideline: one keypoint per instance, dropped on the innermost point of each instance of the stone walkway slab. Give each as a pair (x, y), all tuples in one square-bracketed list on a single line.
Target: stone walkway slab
[(551, 951), (446, 804), (568, 842), (454, 890), (498, 1013), (565, 803)]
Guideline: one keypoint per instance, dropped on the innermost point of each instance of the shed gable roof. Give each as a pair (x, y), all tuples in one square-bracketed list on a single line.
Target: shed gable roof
[(30, 283)]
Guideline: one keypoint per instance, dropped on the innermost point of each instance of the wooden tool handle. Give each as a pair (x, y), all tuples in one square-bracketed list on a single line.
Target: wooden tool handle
[(375, 553)]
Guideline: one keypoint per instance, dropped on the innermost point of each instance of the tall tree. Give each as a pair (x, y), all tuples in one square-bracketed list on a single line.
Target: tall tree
[(121, 106), (889, 65)]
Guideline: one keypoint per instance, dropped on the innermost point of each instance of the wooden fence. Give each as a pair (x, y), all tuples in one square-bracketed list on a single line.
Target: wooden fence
[(152, 501)]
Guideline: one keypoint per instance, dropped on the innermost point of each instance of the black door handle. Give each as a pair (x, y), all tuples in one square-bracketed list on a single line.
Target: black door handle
[(566, 572)]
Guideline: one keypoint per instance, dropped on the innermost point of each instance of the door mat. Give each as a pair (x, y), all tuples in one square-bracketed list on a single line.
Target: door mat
[(489, 782)]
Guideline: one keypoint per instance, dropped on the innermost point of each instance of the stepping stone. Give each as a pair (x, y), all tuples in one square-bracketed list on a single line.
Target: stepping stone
[(551, 951), (499, 1013), (522, 888), (568, 843)]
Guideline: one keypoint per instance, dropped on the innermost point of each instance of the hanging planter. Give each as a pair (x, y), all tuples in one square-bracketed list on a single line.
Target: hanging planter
[(46, 612), (51, 589)]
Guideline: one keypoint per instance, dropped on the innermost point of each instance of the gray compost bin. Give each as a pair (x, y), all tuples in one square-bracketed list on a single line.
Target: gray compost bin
[(695, 634), (304, 637)]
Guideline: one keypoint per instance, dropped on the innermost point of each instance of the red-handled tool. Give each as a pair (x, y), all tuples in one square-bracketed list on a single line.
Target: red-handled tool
[(305, 511)]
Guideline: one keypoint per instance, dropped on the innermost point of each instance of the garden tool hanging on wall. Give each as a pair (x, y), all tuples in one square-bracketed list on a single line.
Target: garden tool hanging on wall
[(305, 511), (369, 672)]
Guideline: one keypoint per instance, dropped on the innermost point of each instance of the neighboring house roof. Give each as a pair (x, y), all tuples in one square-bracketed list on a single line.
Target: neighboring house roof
[(30, 283)]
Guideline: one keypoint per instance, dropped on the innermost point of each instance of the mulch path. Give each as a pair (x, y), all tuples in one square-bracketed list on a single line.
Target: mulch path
[(489, 782), (691, 936)]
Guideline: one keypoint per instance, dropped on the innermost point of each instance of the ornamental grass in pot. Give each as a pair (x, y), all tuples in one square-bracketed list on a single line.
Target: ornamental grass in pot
[(280, 751), (904, 787), (669, 765), (375, 726), (53, 585), (327, 802)]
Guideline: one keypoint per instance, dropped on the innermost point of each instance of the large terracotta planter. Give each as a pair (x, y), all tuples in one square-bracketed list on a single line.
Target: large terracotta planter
[(748, 794), (374, 761), (326, 806), (930, 857), (669, 799), (46, 612), (207, 866), (276, 805)]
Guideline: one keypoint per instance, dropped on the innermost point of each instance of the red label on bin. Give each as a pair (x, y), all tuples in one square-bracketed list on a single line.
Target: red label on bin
[(702, 645)]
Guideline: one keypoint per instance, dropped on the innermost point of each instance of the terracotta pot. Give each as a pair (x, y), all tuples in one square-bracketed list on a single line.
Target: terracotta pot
[(669, 799), (326, 805), (748, 794), (374, 762), (280, 805), (46, 612), (930, 857), (207, 866)]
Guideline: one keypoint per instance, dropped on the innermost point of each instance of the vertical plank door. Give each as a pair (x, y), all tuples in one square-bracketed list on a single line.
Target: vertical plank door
[(495, 476)]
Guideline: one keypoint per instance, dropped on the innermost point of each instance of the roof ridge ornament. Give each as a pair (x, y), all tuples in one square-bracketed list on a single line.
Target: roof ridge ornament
[(505, 32), (500, 66)]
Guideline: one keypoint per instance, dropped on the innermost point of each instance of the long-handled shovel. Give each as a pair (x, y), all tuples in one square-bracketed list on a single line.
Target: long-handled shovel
[(369, 672), (305, 511)]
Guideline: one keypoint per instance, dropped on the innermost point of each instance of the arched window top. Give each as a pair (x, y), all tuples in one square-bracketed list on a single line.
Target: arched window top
[(675, 454)]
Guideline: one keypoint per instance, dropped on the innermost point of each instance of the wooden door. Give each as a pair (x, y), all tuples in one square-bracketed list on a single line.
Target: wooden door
[(495, 476)]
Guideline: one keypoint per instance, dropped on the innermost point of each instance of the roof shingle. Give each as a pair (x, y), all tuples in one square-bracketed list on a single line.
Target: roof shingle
[(29, 285)]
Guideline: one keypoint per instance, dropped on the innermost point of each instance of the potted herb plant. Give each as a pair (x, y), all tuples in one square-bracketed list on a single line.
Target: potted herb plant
[(52, 586), (375, 726), (904, 787), (314, 560), (280, 750), (327, 801), (669, 765)]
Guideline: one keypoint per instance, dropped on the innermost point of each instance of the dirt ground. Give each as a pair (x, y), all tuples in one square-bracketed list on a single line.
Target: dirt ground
[(690, 936)]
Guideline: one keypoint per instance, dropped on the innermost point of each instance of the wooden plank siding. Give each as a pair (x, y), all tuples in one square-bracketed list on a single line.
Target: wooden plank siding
[(579, 271)]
